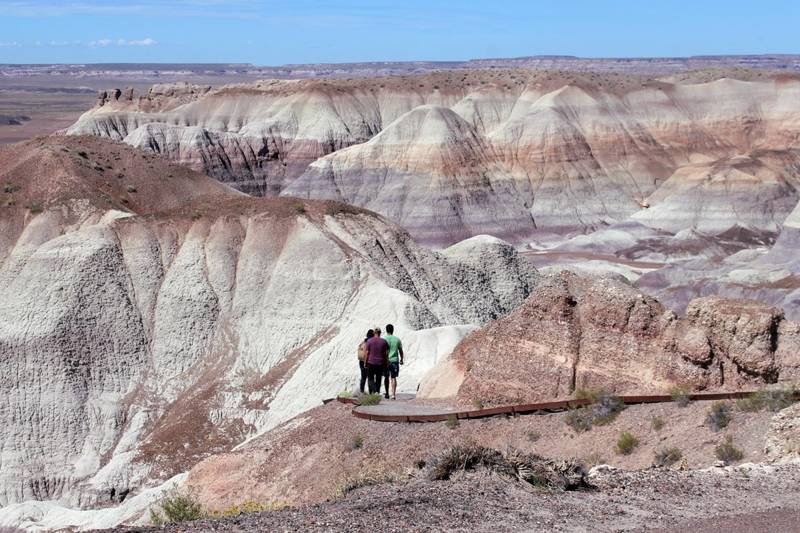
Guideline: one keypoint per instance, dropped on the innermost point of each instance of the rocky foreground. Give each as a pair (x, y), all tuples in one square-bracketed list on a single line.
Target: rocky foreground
[(754, 498)]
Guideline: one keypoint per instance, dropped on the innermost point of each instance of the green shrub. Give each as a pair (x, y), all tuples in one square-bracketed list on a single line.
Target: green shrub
[(477, 404), (626, 443), (770, 399), (35, 207), (299, 208), (345, 394), (681, 396), (727, 452), (719, 416), (667, 456), (178, 506), (196, 215), (657, 423), (452, 422), (533, 436), (371, 399)]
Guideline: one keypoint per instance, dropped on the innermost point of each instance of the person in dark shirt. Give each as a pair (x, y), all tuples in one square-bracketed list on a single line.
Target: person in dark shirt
[(362, 361), (377, 360)]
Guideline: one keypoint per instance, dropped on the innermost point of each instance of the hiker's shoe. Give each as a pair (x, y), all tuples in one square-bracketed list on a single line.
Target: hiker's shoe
[(386, 396), (394, 397)]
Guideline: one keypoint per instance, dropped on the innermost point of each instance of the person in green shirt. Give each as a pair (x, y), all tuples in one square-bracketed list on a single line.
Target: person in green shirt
[(395, 360)]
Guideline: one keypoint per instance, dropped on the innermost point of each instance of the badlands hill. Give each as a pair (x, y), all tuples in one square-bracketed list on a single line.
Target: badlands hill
[(151, 316), (453, 154)]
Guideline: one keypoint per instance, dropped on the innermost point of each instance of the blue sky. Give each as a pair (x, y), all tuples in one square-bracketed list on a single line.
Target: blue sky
[(273, 32)]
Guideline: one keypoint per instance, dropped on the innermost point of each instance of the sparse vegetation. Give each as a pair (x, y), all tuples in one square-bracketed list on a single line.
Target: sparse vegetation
[(603, 409), (657, 423), (130, 188), (681, 396), (10, 188), (533, 436), (452, 422), (727, 452), (299, 208), (594, 459), (35, 207), (626, 443), (196, 215), (579, 420), (719, 416), (770, 399), (178, 506), (345, 394), (373, 475), (356, 442), (477, 403), (371, 399), (667, 456), (247, 507)]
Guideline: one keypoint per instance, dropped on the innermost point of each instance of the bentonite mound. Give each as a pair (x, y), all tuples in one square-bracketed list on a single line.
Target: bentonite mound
[(453, 154), (151, 316), (575, 332)]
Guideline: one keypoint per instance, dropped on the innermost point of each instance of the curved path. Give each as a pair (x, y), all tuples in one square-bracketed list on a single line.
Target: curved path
[(404, 409)]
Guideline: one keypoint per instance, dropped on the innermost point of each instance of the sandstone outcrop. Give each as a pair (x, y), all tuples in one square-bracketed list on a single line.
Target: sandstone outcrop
[(151, 316), (459, 153), (575, 332)]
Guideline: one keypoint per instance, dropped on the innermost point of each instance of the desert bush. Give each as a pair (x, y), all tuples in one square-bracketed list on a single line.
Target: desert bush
[(680, 395), (196, 215), (533, 436), (130, 188), (35, 207), (667, 456), (371, 399), (477, 403), (626, 443), (603, 409), (770, 399), (452, 422), (657, 423), (299, 208), (727, 452), (345, 394), (719, 416), (10, 188), (177, 506), (579, 420), (356, 442), (466, 457)]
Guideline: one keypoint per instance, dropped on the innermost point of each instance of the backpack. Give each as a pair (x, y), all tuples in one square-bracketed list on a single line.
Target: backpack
[(362, 352)]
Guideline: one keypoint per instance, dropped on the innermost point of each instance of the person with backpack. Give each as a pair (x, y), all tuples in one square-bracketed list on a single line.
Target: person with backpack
[(377, 360), (362, 360), (395, 360)]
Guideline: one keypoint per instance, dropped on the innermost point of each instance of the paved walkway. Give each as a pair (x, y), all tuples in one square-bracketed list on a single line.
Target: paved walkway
[(404, 405)]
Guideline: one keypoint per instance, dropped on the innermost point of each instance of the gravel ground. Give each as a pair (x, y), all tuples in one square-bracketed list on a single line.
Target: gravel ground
[(745, 498)]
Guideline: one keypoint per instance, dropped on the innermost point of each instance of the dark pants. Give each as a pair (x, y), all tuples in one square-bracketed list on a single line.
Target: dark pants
[(375, 374), (362, 366)]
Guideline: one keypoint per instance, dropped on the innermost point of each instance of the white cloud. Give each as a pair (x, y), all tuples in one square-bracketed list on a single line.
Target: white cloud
[(12, 44), (123, 42)]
